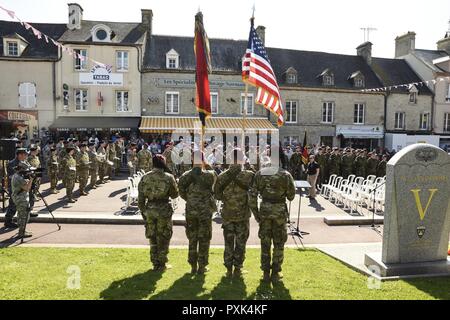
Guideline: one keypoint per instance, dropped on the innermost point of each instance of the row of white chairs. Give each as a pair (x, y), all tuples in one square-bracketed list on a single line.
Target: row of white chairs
[(354, 192), (132, 188)]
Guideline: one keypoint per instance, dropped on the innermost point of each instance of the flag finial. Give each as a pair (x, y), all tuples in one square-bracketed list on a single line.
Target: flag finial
[(253, 13)]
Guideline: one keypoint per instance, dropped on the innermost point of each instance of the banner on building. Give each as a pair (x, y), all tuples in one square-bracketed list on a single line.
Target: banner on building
[(101, 76)]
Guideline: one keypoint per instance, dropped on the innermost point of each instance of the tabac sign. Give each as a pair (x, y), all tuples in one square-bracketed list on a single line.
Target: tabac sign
[(101, 76)]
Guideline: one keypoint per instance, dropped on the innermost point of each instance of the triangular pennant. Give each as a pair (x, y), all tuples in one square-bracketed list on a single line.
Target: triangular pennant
[(27, 26), (9, 12), (46, 38)]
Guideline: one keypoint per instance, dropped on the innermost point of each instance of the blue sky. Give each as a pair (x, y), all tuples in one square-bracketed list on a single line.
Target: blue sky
[(320, 25)]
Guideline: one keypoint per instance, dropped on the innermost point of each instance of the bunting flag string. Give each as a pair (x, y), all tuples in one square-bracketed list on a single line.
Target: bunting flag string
[(408, 85), (39, 35)]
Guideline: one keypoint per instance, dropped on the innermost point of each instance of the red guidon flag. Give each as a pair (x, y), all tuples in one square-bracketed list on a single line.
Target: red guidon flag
[(203, 67), (257, 71)]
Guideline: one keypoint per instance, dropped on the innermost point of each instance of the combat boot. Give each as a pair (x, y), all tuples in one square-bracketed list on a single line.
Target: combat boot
[(24, 235), (202, 270), (237, 272), (194, 269), (10, 225), (71, 200), (84, 193), (34, 215), (229, 272), (266, 276), (276, 276)]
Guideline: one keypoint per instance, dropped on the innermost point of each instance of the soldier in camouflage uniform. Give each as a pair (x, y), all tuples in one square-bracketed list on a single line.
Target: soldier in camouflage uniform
[(61, 156), (196, 187), (132, 159), (70, 173), (295, 163), (119, 151), (361, 164), (381, 168), (102, 165), (52, 170), (168, 155), (321, 160), (346, 164), (111, 159), (232, 188), (83, 169), (21, 187), (155, 191), (33, 160), (94, 164), (144, 159), (334, 163), (372, 164), (274, 186)]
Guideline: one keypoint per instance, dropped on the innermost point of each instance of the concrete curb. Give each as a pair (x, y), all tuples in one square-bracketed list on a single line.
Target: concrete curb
[(352, 221), (178, 220)]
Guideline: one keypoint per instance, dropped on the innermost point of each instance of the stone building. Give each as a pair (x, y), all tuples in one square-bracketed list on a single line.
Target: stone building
[(322, 92), (100, 98), (432, 66), (27, 84)]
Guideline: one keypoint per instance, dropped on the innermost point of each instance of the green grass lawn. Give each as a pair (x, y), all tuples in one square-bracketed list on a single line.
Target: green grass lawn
[(43, 273)]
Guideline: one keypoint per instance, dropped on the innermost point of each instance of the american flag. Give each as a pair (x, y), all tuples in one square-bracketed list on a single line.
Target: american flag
[(257, 71)]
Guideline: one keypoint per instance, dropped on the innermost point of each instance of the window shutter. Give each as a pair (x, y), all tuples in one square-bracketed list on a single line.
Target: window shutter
[(31, 88)]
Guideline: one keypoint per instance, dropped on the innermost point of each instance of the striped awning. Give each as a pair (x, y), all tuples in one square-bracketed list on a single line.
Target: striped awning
[(216, 124)]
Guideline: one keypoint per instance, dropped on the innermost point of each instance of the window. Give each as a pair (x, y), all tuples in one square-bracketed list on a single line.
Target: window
[(172, 59), (327, 112), (172, 102), (122, 60), (101, 34), (80, 64), (291, 111), (412, 97), (358, 116), (328, 80), (81, 99), (291, 78), (447, 122), (214, 103), (13, 48), (249, 103), (27, 95), (290, 140), (424, 121), (399, 121), (122, 101), (359, 82)]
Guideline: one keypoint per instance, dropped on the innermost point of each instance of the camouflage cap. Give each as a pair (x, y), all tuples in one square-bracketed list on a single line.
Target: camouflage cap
[(33, 148), (21, 150)]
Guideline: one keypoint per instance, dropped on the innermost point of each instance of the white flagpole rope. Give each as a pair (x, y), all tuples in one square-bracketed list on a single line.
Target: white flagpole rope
[(39, 34)]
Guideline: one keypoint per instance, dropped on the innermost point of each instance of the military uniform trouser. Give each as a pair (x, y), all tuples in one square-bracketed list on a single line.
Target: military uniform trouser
[(159, 232), (272, 231), (235, 235), (199, 234), (93, 174), (70, 185), (109, 170), (53, 177), (11, 210), (23, 215), (101, 172), (83, 177)]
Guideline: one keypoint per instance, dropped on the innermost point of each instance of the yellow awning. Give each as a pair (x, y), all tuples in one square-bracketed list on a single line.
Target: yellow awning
[(216, 124)]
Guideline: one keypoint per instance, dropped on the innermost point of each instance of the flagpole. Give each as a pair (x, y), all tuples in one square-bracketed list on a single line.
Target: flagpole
[(244, 118)]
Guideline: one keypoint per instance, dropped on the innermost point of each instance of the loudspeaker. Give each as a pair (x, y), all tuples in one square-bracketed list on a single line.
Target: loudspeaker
[(7, 149)]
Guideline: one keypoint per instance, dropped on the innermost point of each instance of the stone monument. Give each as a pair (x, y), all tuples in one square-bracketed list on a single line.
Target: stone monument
[(417, 214)]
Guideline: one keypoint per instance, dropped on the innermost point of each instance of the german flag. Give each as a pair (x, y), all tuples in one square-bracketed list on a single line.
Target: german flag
[(203, 68), (305, 155)]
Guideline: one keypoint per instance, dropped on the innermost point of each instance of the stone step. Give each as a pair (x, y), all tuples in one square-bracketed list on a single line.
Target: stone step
[(352, 221)]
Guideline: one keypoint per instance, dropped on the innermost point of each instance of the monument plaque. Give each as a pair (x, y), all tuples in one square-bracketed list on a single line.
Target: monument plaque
[(417, 214)]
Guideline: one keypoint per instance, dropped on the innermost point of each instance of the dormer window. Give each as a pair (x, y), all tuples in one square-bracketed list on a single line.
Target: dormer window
[(101, 33), (358, 79), (172, 59), (327, 77), (13, 48), (413, 94), (359, 83), (291, 76)]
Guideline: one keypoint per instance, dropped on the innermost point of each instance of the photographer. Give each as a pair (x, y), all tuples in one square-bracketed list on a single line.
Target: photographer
[(21, 156), (21, 185)]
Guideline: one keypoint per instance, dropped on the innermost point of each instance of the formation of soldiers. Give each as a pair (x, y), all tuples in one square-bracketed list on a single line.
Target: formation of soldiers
[(239, 189), (341, 162)]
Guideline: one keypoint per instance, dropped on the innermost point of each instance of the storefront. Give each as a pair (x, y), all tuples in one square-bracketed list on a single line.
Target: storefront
[(23, 123), (360, 137), (101, 127), (398, 141)]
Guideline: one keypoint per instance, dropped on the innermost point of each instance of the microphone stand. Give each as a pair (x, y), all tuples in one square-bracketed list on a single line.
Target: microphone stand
[(373, 226)]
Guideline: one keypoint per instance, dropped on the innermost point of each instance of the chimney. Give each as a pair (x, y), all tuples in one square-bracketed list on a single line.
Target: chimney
[(405, 44), (75, 16), (365, 51), (261, 31), (444, 44), (147, 20)]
